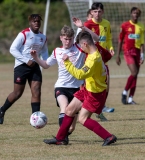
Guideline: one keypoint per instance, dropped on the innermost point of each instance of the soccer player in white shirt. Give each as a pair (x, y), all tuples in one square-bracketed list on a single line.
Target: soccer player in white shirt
[(66, 85), (26, 68)]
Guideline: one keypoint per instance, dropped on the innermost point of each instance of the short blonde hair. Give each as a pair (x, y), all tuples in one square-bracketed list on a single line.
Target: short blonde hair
[(67, 31)]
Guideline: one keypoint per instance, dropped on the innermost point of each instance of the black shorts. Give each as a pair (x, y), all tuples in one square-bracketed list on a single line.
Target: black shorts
[(68, 92), (23, 72)]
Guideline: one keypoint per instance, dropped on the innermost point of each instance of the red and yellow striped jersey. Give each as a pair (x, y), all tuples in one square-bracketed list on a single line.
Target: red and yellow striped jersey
[(132, 34), (103, 30), (93, 72)]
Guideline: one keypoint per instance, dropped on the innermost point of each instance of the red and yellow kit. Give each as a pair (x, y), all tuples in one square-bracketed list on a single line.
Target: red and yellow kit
[(132, 34), (93, 71), (103, 30)]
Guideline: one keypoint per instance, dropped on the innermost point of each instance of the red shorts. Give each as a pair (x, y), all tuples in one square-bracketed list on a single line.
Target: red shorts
[(132, 56), (93, 102)]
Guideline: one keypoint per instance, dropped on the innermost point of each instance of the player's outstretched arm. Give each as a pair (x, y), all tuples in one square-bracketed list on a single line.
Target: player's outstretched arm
[(41, 62), (79, 24)]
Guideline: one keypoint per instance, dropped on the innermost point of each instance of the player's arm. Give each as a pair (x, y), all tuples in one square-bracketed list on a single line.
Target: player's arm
[(81, 74), (79, 24), (44, 51), (15, 48), (120, 42), (142, 54), (44, 63), (142, 46), (109, 40), (41, 62)]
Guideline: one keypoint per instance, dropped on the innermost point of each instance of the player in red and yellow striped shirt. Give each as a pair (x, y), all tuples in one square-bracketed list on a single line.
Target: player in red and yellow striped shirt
[(101, 27), (132, 33)]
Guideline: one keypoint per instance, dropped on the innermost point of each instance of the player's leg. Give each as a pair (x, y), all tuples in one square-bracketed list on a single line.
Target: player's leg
[(107, 109), (133, 65), (12, 97), (134, 69), (19, 86), (70, 112), (35, 82), (85, 120), (35, 87), (96, 106), (63, 98)]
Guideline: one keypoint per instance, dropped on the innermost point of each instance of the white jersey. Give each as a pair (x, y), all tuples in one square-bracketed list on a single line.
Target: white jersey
[(76, 56), (25, 42)]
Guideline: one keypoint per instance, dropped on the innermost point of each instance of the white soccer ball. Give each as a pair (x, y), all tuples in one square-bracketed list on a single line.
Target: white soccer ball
[(38, 120)]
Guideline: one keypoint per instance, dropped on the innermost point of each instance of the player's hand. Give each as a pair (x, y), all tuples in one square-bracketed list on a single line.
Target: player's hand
[(141, 58), (33, 54), (118, 60), (141, 61), (65, 57), (31, 63), (112, 52), (77, 22)]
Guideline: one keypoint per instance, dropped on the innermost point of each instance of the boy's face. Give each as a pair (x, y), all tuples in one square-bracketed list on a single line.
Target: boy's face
[(35, 24), (97, 14), (135, 14), (67, 42)]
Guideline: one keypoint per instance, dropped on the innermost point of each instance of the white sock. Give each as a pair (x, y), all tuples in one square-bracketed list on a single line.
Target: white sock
[(130, 99), (124, 92)]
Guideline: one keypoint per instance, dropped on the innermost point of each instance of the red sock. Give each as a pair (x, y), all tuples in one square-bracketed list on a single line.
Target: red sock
[(129, 82), (133, 87), (64, 128), (97, 128)]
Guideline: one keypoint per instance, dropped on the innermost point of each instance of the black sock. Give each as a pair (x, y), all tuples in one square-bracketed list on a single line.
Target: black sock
[(35, 106), (6, 105), (61, 116)]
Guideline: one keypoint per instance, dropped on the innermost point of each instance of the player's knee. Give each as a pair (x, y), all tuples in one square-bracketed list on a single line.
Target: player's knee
[(69, 112), (17, 95), (134, 74), (81, 120)]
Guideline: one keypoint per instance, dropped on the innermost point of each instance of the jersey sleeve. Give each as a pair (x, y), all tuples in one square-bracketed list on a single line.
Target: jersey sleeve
[(86, 71), (142, 34), (122, 33), (52, 59), (106, 56), (44, 51), (109, 38), (15, 48)]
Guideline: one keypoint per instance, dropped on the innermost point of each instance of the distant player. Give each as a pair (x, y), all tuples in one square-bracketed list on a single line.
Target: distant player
[(101, 27), (132, 33), (91, 98), (26, 69)]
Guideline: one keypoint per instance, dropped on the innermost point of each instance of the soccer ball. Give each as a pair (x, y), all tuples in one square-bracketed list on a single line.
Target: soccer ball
[(38, 119)]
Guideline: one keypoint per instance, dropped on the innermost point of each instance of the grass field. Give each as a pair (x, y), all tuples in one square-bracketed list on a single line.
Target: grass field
[(20, 141)]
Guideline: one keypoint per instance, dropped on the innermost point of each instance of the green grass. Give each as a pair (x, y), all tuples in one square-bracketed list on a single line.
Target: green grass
[(20, 141), (6, 58)]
